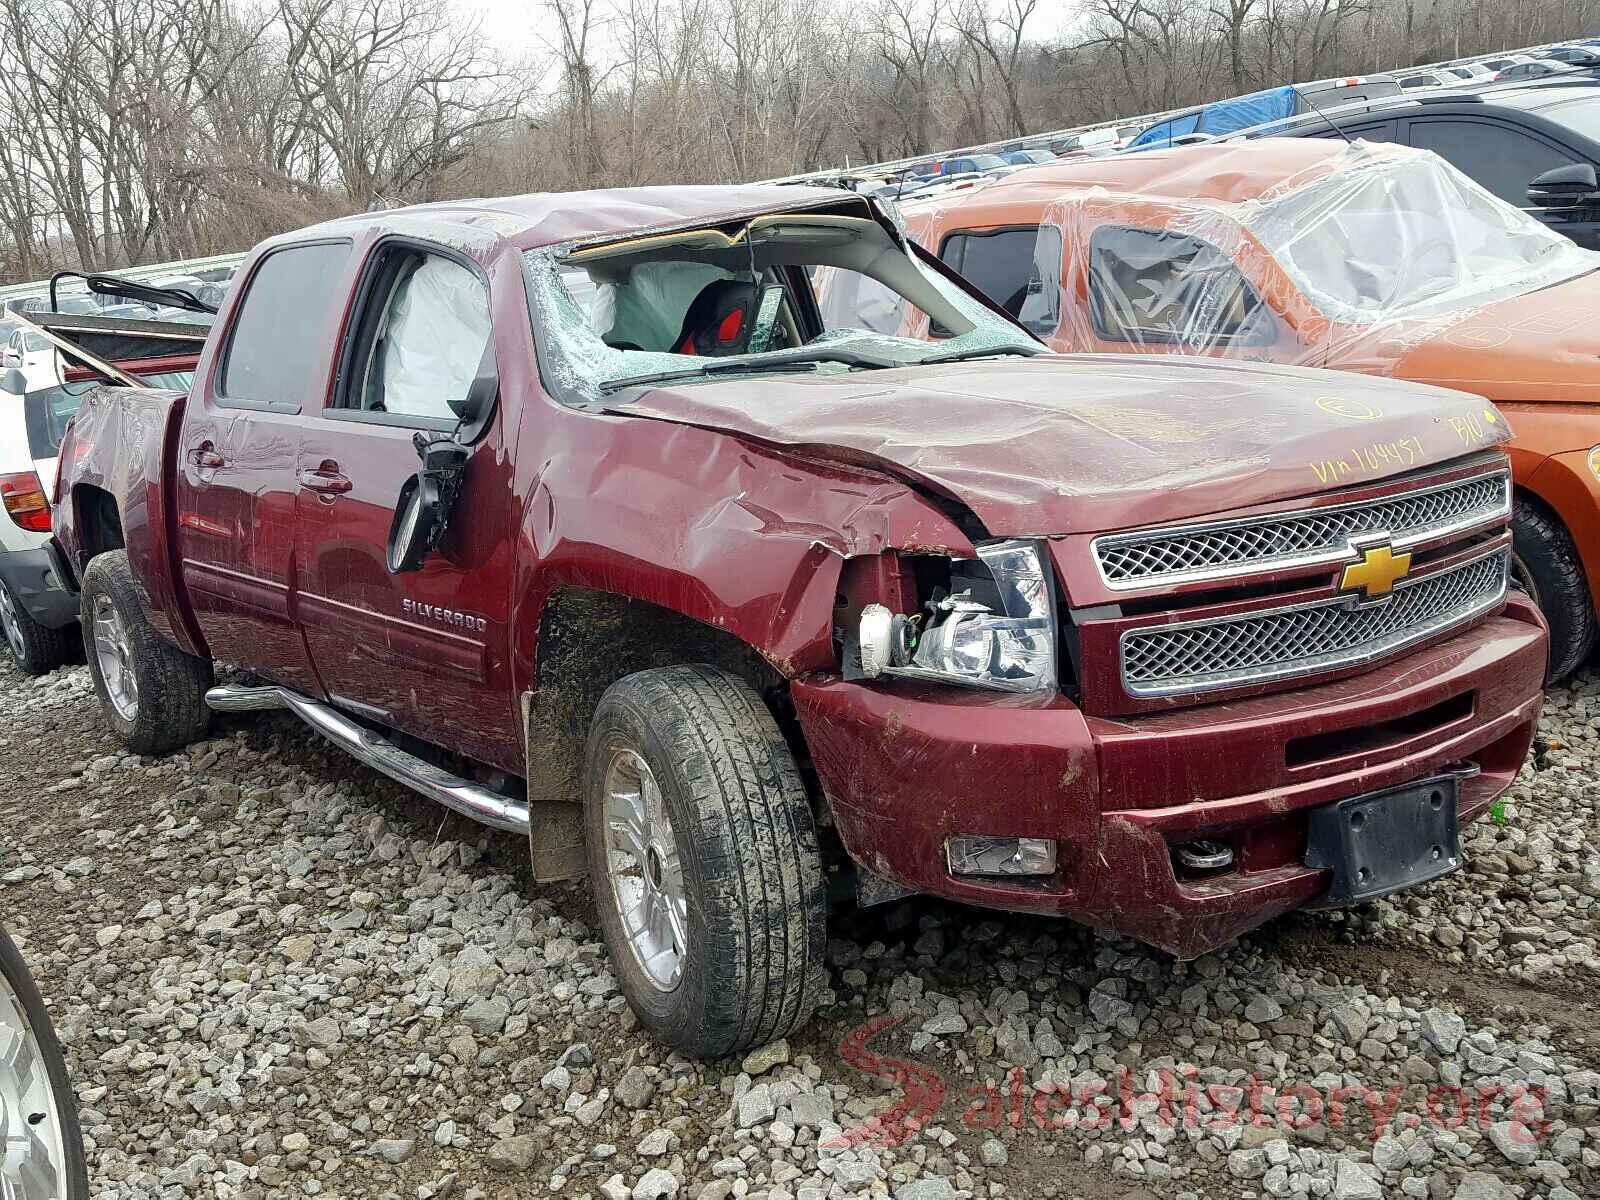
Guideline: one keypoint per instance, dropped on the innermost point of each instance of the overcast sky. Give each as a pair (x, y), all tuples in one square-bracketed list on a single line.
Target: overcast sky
[(507, 23)]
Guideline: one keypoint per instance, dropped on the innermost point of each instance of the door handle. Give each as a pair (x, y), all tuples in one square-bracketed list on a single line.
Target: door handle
[(325, 479), (206, 457)]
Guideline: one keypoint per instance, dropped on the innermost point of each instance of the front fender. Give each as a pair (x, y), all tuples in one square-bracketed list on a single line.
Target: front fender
[(743, 538)]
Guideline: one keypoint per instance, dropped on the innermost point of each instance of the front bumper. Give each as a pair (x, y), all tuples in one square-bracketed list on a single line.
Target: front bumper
[(905, 768), (33, 578)]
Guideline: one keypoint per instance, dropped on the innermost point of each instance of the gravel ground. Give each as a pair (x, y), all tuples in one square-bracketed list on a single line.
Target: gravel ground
[(277, 974)]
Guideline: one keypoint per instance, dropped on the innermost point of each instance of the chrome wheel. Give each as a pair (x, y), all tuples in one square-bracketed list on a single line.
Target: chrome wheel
[(114, 655), (33, 1161), (10, 622), (645, 872)]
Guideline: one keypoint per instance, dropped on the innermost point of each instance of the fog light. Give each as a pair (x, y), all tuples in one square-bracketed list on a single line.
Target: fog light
[(1594, 462), (1001, 856), (1204, 855)]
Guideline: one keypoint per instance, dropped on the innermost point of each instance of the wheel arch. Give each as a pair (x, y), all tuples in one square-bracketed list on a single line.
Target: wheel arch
[(587, 639), (1559, 491), (98, 523)]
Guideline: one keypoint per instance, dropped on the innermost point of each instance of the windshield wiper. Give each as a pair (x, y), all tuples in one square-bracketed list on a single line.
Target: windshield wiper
[(628, 381), (964, 355), (801, 359)]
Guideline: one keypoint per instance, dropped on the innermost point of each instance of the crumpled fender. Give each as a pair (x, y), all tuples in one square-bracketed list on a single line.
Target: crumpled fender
[(744, 538), (119, 442)]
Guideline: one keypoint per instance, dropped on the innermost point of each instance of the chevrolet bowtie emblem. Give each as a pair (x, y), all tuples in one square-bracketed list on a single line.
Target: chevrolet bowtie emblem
[(1376, 574)]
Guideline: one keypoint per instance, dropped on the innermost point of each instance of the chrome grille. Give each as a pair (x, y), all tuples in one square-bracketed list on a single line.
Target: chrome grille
[(1303, 639), (1307, 537)]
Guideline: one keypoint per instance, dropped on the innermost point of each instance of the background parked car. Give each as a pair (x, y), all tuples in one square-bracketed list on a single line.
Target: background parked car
[(30, 352), (1374, 259), (1424, 79), (1505, 139), (967, 164), (1027, 158), (1577, 56), (1257, 108), (1537, 69)]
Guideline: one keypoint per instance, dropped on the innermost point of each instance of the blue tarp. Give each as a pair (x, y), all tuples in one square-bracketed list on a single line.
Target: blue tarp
[(1225, 116)]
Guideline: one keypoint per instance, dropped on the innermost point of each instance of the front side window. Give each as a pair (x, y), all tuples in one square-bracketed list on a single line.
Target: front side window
[(1497, 157), (1019, 269), (1155, 286), (794, 292), (421, 338), (283, 324)]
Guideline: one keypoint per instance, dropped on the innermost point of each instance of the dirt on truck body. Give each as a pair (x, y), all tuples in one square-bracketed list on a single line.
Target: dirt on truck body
[(581, 515)]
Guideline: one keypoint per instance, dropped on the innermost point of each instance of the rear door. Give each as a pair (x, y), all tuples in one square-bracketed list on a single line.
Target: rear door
[(424, 652), (237, 455)]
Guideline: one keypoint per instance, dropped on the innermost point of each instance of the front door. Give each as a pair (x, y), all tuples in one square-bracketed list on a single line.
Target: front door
[(425, 651), (237, 452)]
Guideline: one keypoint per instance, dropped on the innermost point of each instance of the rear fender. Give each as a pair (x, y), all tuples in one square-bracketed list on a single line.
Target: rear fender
[(114, 460)]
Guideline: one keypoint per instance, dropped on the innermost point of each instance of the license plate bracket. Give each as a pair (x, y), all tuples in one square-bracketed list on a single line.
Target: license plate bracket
[(1385, 841)]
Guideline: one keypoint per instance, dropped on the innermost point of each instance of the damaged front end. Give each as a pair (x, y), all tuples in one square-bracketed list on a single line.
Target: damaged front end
[(990, 624)]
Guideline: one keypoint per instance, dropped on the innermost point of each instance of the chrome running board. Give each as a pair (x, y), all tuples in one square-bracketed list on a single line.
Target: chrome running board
[(462, 795)]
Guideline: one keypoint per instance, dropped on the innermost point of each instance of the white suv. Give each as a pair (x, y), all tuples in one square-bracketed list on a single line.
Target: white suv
[(38, 617)]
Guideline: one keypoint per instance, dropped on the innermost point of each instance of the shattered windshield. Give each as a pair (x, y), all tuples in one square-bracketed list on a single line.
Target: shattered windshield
[(1402, 236), (785, 292)]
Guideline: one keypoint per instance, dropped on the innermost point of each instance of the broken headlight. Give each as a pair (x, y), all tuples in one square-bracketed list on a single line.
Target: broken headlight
[(994, 626)]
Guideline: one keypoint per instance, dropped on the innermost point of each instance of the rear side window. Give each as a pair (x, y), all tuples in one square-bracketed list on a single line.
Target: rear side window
[(284, 322), (1151, 286), (1019, 269), (1497, 157)]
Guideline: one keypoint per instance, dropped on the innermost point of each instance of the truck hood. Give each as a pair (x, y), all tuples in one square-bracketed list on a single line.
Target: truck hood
[(1084, 443), (1540, 346)]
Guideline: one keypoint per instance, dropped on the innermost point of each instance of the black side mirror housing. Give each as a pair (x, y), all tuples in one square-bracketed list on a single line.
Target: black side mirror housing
[(474, 410), (1571, 186), (422, 513)]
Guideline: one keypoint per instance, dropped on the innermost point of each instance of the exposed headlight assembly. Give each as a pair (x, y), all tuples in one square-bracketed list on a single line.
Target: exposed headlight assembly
[(995, 627)]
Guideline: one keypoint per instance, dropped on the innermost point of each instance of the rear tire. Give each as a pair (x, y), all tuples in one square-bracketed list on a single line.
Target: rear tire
[(44, 1110), (154, 694), (687, 765), (1546, 564), (36, 649)]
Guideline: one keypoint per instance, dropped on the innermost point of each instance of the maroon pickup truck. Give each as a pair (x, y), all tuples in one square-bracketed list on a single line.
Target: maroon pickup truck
[(576, 514)]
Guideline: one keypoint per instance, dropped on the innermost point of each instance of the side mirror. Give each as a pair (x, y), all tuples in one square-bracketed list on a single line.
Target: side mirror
[(477, 406), (422, 513), (14, 381), (1571, 186)]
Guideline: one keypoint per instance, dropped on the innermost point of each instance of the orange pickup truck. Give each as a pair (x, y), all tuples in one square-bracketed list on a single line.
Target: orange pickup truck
[(1363, 257)]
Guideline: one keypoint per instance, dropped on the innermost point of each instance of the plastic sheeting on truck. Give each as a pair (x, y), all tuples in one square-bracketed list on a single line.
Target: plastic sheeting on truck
[(1294, 252)]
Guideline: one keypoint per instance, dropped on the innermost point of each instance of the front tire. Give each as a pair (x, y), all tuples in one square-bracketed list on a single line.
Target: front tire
[(704, 862), (153, 694), (43, 1157), (1546, 564), (35, 648)]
